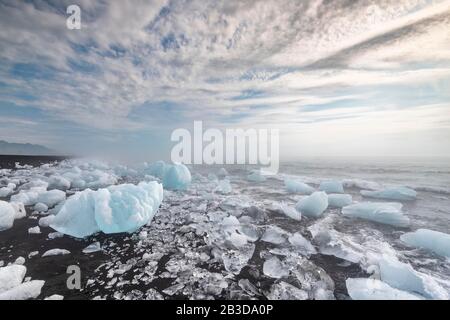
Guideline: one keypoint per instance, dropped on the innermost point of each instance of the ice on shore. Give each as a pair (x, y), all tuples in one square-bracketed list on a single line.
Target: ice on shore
[(275, 235), (331, 186), (58, 182), (40, 207), (39, 194), (300, 242), (34, 230), (435, 241), (6, 191), (373, 289), (93, 247), (177, 177), (382, 212), (11, 276), (395, 193), (12, 287), (294, 186), (274, 268), (403, 277), (55, 252), (223, 187), (286, 291), (314, 205), (9, 212), (339, 200), (256, 176), (119, 208), (287, 210)]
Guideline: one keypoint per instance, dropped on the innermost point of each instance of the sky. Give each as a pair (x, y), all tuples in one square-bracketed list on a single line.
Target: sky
[(337, 78)]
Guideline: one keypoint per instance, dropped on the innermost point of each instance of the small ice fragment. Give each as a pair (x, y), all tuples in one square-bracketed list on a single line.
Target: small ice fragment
[(32, 254), (372, 289), (395, 193), (297, 240), (40, 207), (7, 215), (54, 235), (34, 230), (294, 186), (20, 261), (339, 200), (224, 187), (24, 291), (177, 177), (435, 241), (287, 210), (313, 205), (274, 268), (275, 235), (55, 252), (331, 186), (286, 291), (383, 212), (93, 247), (46, 221), (55, 297)]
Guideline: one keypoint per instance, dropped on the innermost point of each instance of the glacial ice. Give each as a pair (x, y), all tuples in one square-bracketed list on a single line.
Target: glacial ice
[(435, 241), (339, 200), (300, 242), (373, 289), (12, 287), (275, 235), (314, 205), (256, 176), (274, 268), (7, 215), (119, 208), (403, 277), (287, 210), (395, 193), (34, 230), (381, 212), (93, 247), (331, 186), (11, 276), (51, 198), (6, 191), (223, 187), (39, 194), (55, 252), (157, 169), (177, 177), (294, 186), (40, 207)]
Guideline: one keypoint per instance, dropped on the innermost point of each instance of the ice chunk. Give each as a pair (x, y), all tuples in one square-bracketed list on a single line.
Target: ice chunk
[(383, 212), (20, 261), (46, 221), (372, 289), (222, 172), (157, 169), (40, 207), (275, 235), (93, 247), (402, 276), (297, 240), (224, 186), (58, 182), (396, 193), (11, 276), (435, 241), (331, 186), (286, 291), (6, 191), (35, 230), (287, 210), (313, 205), (339, 200), (177, 177), (51, 198), (19, 209), (294, 186), (256, 176), (120, 208), (7, 215), (26, 290), (274, 268), (55, 297), (55, 252)]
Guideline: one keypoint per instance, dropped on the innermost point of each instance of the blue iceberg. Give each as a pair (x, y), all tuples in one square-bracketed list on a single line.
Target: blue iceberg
[(435, 241), (294, 186), (339, 200), (313, 205)]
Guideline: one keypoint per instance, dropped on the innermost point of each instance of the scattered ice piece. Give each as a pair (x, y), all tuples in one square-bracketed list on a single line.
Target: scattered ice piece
[(54, 235), (339, 200), (395, 193), (286, 291), (93, 247), (24, 291), (19, 209), (11, 276), (331, 186), (294, 186), (55, 297), (55, 252), (20, 261), (274, 268), (435, 241), (7, 215), (373, 289), (402, 276), (119, 208), (381, 212), (256, 176), (237, 240), (297, 240), (46, 221), (177, 177), (34, 230), (52, 197), (275, 235), (313, 205), (32, 254), (58, 182), (6, 191), (222, 172), (40, 207), (224, 187), (287, 210), (158, 169)]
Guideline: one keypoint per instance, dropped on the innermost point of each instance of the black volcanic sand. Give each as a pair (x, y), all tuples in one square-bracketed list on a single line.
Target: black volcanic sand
[(17, 242), (9, 162)]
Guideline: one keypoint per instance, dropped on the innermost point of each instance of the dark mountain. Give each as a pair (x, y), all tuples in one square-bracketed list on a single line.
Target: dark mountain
[(24, 149)]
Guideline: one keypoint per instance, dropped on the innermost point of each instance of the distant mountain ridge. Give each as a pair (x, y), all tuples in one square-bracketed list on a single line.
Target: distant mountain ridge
[(25, 149)]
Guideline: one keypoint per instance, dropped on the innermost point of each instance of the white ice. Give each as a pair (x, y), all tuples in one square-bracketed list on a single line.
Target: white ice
[(11, 276), (339, 200), (435, 241), (93, 247), (55, 252), (331, 186), (24, 291), (395, 193), (34, 230), (294, 186), (313, 205), (300, 242), (274, 268), (6, 191), (383, 212), (119, 208), (373, 289), (287, 210), (40, 207), (9, 212)]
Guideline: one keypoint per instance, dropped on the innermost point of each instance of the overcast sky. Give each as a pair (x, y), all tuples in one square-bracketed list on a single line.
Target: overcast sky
[(336, 77)]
